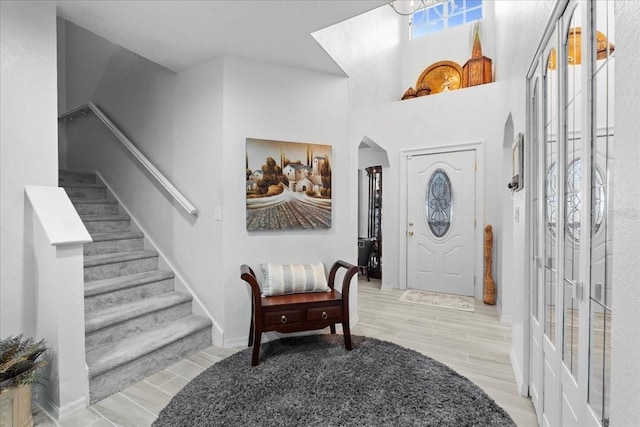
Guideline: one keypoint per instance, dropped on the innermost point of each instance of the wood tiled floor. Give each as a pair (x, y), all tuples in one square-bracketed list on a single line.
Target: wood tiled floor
[(475, 344)]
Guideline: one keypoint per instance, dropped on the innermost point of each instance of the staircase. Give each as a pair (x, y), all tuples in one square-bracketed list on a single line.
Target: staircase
[(136, 324)]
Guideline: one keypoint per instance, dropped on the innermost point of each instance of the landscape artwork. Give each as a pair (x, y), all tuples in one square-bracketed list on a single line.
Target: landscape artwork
[(288, 185)]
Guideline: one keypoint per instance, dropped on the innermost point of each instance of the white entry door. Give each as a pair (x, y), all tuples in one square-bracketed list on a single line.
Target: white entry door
[(441, 211)]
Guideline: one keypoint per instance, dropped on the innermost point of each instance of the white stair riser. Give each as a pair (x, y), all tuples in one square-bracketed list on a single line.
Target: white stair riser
[(144, 323), (107, 226), (105, 271), (134, 293), (96, 208), (125, 375), (112, 246), (85, 192)]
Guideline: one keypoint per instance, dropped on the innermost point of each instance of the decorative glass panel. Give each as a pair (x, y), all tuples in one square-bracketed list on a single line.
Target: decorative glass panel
[(439, 201), (602, 248), (550, 190)]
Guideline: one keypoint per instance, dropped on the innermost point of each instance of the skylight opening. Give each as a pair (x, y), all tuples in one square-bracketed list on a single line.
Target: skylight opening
[(440, 16)]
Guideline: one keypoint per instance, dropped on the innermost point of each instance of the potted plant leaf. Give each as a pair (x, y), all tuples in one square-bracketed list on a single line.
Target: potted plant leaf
[(19, 370)]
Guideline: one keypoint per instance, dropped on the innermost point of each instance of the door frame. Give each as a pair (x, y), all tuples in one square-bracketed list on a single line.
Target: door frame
[(478, 147)]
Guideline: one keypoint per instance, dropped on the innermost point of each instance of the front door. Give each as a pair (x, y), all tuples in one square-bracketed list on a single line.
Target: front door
[(441, 202)]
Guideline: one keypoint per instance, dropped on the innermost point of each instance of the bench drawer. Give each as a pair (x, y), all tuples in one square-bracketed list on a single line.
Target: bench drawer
[(283, 317), (324, 313)]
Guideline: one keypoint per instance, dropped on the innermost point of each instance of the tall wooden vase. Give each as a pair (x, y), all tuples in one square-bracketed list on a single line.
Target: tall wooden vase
[(477, 70), (15, 406), (489, 284)]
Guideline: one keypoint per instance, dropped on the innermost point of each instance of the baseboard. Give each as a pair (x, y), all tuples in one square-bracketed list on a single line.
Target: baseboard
[(504, 318), (523, 388), (57, 413)]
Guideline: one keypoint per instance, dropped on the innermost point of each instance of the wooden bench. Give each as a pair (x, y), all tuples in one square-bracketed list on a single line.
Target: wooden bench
[(299, 312)]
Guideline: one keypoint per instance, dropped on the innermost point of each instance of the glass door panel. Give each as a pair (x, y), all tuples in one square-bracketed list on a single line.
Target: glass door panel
[(550, 195), (571, 193), (601, 234)]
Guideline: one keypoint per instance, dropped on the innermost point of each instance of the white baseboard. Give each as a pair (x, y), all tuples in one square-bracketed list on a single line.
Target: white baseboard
[(523, 388), (57, 413)]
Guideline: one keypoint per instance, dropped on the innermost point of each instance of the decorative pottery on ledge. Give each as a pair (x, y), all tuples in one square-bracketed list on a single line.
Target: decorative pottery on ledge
[(409, 94), (442, 76), (423, 89), (477, 70)]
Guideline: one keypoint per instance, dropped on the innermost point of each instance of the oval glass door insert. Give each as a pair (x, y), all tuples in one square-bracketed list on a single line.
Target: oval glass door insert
[(439, 203)]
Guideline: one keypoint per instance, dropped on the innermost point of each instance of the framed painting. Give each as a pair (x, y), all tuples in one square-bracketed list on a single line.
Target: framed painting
[(288, 185)]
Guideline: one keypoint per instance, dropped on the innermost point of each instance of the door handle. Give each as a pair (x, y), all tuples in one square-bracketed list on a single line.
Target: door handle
[(409, 233)]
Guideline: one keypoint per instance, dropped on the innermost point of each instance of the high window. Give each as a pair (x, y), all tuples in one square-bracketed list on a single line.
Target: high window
[(448, 14)]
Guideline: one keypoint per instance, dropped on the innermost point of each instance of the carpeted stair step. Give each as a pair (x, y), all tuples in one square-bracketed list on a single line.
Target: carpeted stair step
[(105, 243), (95, 206), (128, 361), (100, 294), (112, 324), (85, 191), (65, 176), (106, 223), (104, 266)]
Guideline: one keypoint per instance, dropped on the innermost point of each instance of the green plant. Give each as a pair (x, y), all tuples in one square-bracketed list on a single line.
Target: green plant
[(19, 361)]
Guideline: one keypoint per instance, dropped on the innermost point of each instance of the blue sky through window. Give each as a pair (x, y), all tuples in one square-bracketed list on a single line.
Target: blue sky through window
[(441, 16)]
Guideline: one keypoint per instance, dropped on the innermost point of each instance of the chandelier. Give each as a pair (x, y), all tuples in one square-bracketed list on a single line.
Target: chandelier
[(409, 7)]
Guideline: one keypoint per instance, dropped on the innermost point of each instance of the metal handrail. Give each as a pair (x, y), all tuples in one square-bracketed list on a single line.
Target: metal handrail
[(144, 161)]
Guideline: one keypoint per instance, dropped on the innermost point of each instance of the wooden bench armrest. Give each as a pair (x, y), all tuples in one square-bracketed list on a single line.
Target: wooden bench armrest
[(247, 274), (346, 280)]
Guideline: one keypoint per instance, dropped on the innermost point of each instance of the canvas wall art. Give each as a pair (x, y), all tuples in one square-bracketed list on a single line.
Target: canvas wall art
[(288, 185)]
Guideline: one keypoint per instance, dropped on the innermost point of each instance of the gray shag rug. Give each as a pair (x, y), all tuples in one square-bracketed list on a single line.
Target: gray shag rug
[(313, 381)]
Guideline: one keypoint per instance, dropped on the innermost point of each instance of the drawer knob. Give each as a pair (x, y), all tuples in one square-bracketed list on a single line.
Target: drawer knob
[(283, 319), (324, 315)]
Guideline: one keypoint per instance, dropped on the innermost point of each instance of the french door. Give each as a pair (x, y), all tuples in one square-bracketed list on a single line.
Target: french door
[(570, 129)]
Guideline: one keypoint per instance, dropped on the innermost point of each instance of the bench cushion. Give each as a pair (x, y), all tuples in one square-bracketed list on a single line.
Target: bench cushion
[(284, 279)]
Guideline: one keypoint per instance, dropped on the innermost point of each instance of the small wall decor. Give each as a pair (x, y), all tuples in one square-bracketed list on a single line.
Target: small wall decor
[(517, 152), (288, 185), (477, 70)]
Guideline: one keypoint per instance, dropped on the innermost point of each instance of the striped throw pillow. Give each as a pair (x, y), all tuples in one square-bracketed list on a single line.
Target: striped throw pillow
[(282, 279)]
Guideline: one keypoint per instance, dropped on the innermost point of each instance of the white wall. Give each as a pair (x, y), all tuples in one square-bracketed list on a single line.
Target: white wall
[(176, 121), (272, 102), (373, 50), (28, 146), (520, 26), (625, 364)]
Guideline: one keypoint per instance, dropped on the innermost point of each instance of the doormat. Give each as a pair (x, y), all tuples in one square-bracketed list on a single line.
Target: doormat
[(435, 299)]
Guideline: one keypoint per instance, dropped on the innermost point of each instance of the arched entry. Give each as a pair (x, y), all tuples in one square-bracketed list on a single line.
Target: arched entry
[(372, 160)]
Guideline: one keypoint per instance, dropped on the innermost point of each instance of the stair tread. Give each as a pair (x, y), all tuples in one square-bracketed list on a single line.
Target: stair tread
[(81, 184), (101, 259), (119, 313), (87, 218), (103, 286), (84, 200), (116, 235), (121, 352)]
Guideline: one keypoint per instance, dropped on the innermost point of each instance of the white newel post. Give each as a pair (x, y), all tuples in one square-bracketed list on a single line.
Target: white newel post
[(58, 235)]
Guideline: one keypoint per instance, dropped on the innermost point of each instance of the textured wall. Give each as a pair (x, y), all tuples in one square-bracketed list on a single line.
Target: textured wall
[(625, 368), (28, 147)]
